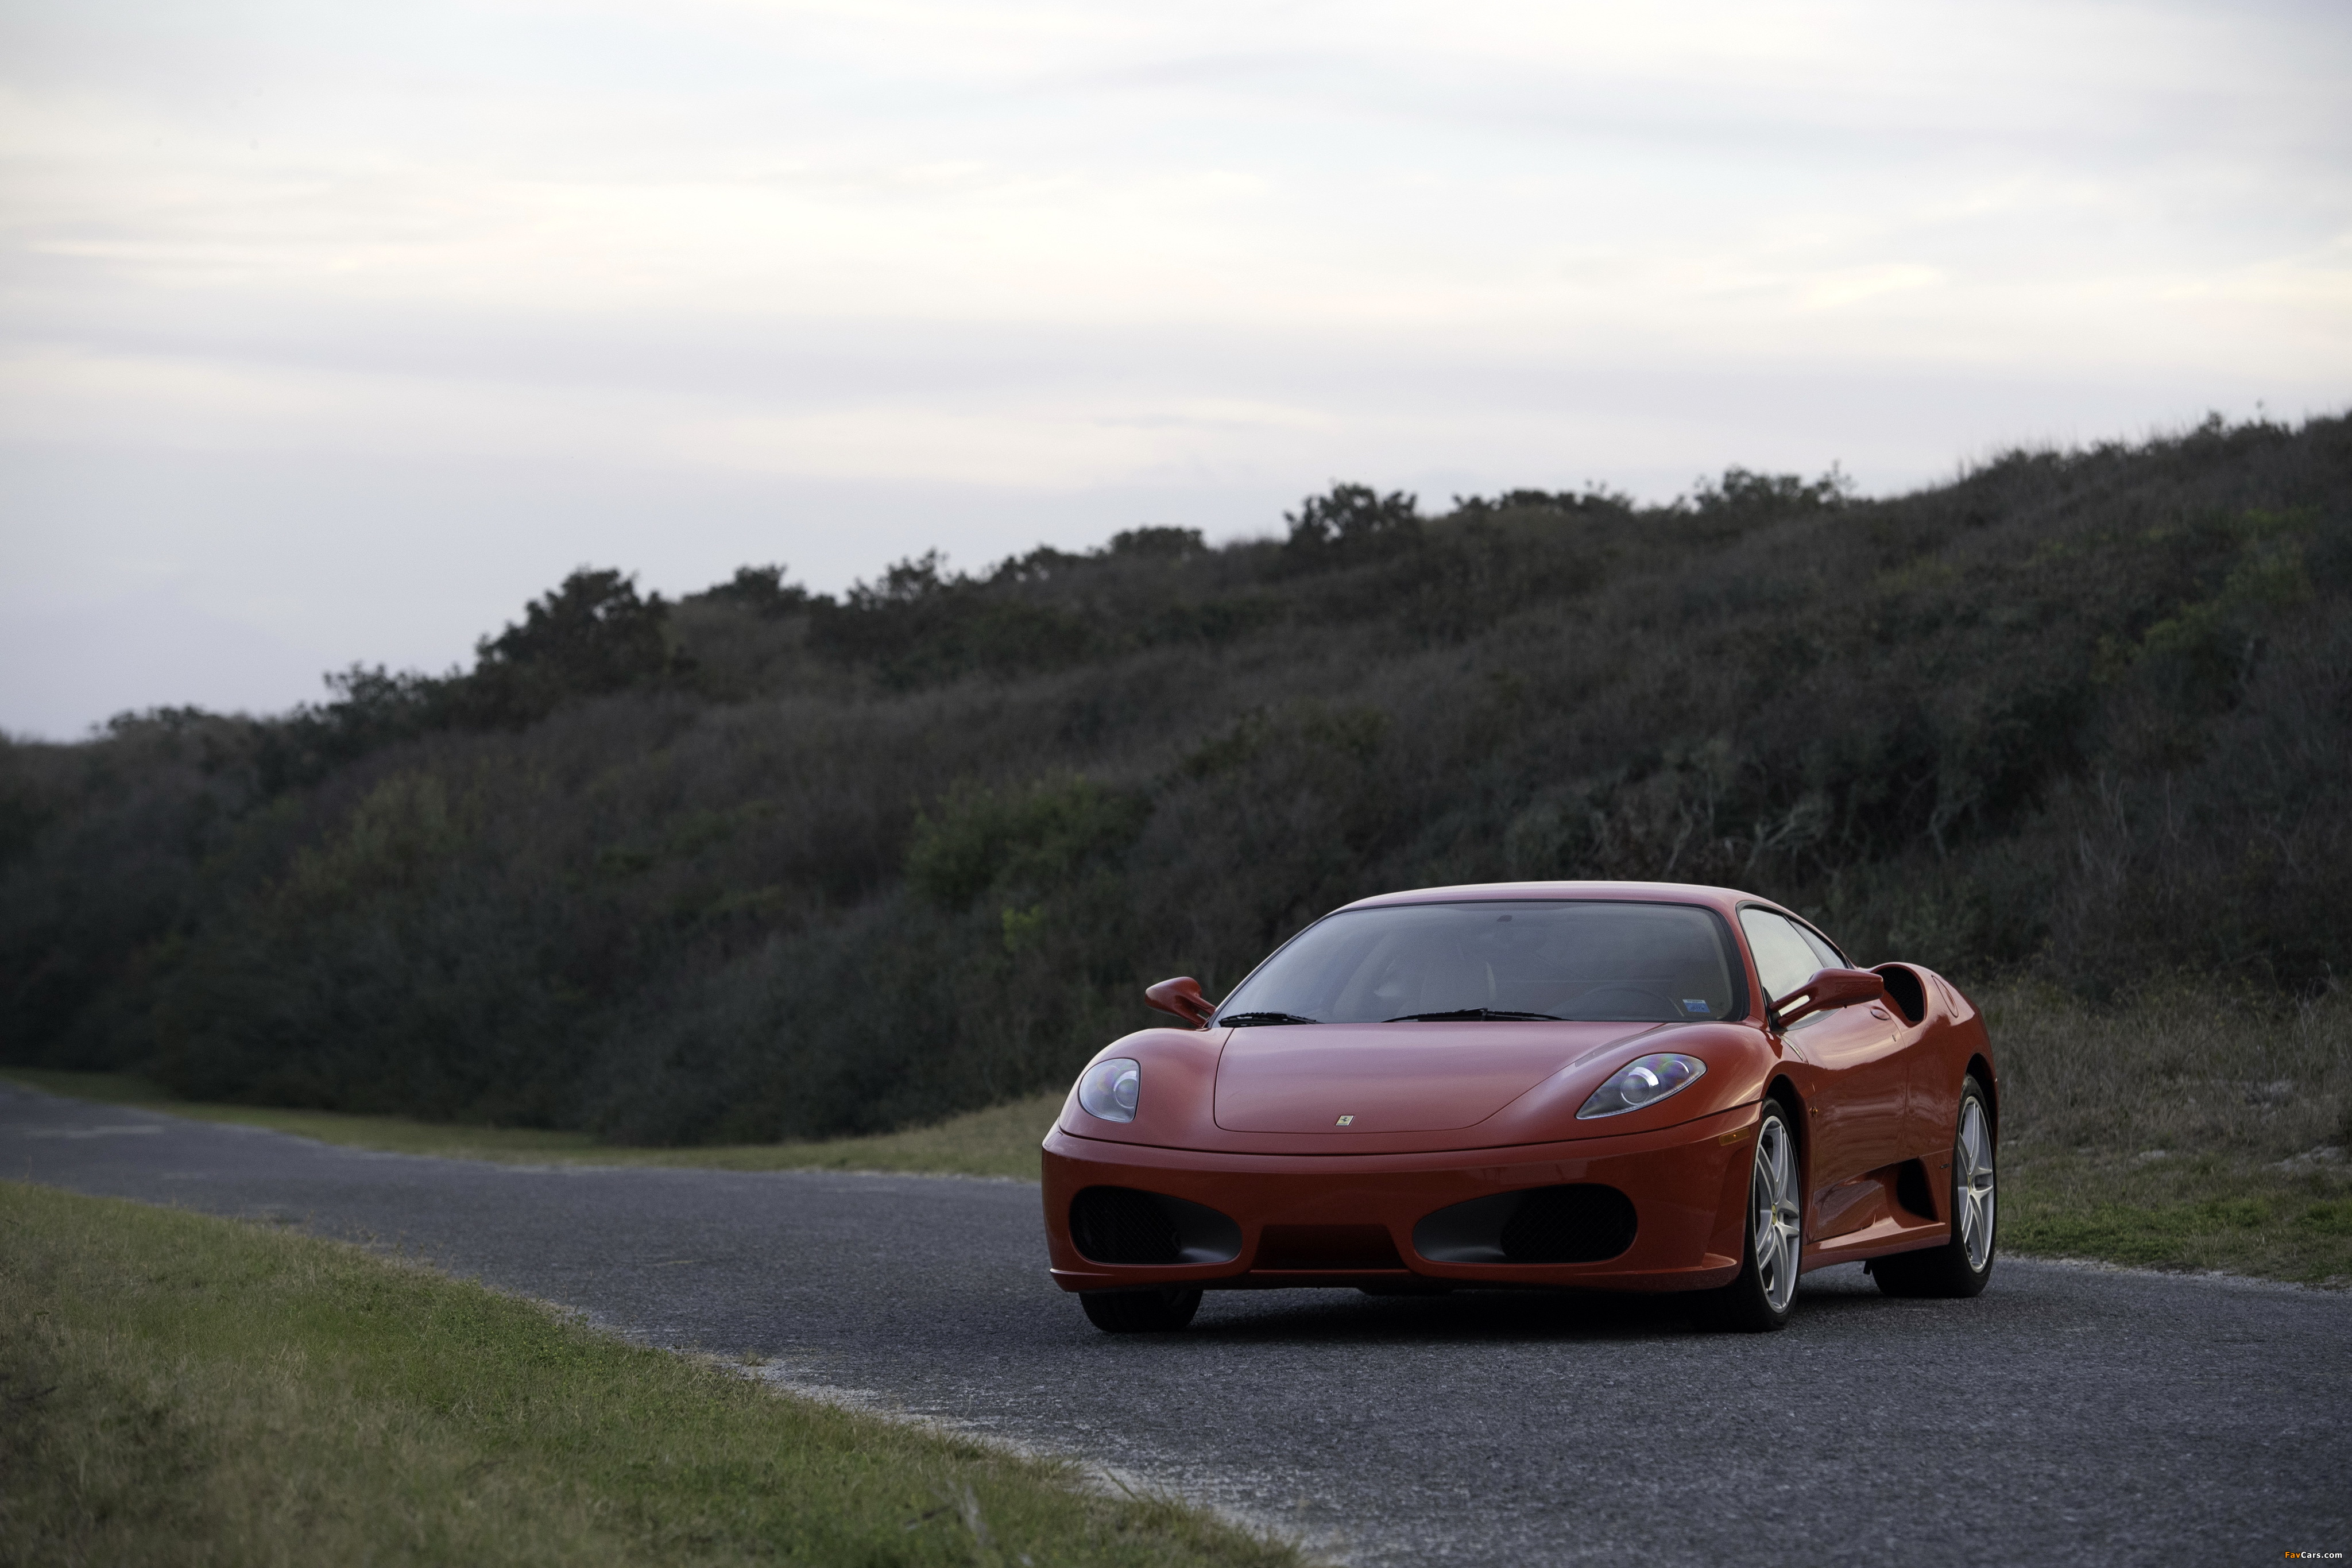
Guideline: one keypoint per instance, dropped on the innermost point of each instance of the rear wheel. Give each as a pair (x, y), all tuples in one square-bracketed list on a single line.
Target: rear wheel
[(1759, 1299), (1961, 1266), (1141, 1311)]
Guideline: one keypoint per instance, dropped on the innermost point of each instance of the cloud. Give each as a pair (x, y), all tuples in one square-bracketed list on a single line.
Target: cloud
[(946, 257)]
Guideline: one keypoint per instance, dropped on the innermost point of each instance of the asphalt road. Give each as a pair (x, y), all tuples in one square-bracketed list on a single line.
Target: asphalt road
[(2068, 1414)]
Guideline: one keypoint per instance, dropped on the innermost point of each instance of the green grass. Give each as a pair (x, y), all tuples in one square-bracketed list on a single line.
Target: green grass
[(2276, 1221), (1000, 1141), (179, 1389)]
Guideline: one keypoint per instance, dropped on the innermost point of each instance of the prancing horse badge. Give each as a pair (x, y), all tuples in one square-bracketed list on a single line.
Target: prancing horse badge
[(1345, 1120)]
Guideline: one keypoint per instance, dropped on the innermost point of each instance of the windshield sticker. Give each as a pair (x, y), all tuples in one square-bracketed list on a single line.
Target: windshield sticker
[(1690, 1006)]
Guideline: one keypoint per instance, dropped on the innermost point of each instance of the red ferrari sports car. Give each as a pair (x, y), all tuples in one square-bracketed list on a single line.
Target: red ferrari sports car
[(1619, 1086)]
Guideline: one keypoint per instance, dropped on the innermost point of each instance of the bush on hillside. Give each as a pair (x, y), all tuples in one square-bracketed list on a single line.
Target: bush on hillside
[(764, 862)]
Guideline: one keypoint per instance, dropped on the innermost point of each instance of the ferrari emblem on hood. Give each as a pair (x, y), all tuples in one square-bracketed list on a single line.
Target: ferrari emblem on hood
[(1345, 1120)]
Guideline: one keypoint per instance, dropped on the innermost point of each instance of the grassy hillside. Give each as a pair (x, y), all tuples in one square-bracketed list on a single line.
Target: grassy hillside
[(762, 864)]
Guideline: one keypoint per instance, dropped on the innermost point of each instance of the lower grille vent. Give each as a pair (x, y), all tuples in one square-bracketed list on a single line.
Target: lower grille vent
[(1121, 1225), (1569, 1225), (1582, 1223)]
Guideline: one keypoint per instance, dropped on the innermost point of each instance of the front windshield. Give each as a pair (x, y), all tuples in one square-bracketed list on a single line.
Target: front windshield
[(1585, 960)]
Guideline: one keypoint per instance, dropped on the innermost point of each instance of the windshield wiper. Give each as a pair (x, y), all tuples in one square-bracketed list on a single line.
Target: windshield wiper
[(1462, 1015), (1264, 1017)]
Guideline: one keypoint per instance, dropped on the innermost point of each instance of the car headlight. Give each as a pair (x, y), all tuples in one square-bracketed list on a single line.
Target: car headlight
[(1642, 1083), (1110, 1088)]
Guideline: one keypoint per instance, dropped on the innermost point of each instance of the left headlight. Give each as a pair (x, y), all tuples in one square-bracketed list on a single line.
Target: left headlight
[(1642, 1083), (1110, 1088)]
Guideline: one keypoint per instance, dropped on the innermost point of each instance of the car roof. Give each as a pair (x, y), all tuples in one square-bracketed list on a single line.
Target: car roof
[(1724, 899)]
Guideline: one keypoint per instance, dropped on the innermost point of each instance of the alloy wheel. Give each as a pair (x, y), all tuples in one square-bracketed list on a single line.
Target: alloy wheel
[(1779, 1213), (1975, 1184)]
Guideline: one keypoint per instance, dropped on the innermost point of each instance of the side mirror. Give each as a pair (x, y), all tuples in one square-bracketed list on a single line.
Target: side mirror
[(1830, 988), (1181, 996)]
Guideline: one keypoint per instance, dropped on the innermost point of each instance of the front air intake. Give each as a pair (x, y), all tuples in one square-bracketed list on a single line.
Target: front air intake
[(1121, 1225), (1581, 1223)]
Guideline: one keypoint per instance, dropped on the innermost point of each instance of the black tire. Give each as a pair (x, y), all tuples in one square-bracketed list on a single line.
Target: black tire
[(1761, 1298), (1161, 1310), (1959, 1267)]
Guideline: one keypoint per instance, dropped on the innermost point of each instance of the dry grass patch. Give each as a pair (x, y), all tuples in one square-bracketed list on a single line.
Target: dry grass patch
[(2186, 1127), (2180, 1067), (186, 1390)]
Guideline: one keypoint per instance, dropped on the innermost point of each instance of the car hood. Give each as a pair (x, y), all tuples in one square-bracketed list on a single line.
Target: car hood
[(1392, 1077)]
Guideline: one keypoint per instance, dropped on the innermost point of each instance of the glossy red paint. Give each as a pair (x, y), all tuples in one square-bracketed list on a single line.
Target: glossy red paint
[(1831, 988), (1326, 1145), (1181, 996), (1300, 1080)]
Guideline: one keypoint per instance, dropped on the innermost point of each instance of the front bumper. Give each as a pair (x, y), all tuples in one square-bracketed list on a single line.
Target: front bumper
[(1688, 1185)]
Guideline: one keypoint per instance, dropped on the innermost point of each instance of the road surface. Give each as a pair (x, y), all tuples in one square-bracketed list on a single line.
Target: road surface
[(2069, 1415)]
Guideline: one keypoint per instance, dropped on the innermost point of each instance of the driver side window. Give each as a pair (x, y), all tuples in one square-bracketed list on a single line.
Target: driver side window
[(1784, 959)]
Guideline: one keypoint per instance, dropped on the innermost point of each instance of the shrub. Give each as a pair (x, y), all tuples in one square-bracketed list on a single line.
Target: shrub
[(769, 864)]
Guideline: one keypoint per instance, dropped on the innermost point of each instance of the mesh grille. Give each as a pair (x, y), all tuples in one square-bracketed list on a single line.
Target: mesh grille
[(1569, 1225), (1121, 1225)]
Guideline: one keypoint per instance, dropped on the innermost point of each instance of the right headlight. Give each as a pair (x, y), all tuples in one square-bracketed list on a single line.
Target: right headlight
[(1111, 1089), (1642, 1083)]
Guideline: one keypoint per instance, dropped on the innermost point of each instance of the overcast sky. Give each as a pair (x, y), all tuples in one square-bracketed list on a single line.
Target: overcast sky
[(335, 331)]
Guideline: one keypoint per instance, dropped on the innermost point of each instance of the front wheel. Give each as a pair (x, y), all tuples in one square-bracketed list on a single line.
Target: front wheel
[(1758, 1299), (1141, 1311), (1961, 1266)]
